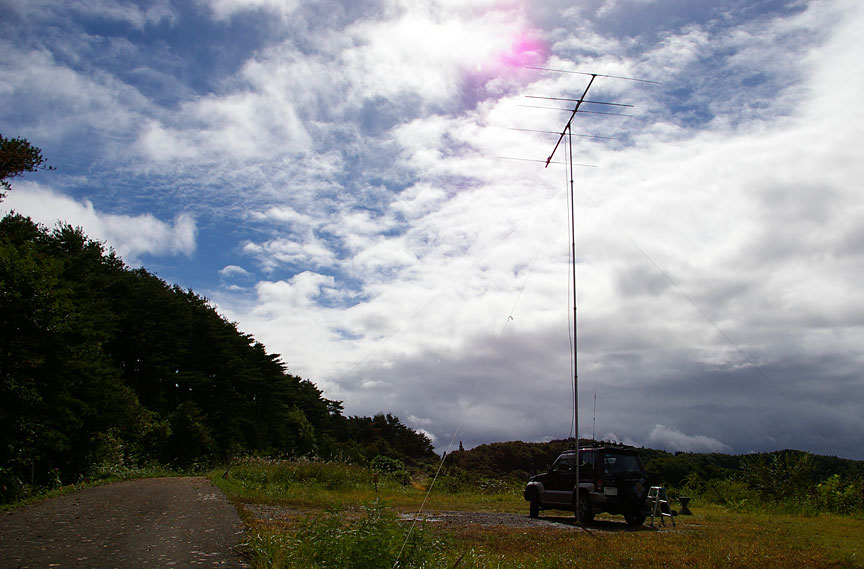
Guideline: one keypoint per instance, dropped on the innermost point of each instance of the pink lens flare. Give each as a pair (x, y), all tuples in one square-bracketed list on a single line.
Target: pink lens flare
[(525, 50)]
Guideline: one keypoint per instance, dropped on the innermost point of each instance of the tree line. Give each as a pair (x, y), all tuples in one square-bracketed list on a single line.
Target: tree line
[(105, 364), (827, 483)]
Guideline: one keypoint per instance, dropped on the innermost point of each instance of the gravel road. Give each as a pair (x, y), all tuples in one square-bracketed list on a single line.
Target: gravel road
[(154, 522), (268, 513)]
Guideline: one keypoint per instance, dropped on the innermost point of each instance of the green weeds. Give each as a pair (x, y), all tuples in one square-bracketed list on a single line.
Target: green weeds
[(375, 540)]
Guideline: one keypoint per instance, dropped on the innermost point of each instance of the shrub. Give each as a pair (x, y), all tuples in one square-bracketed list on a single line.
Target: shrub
[(833, 496), (12, 488), (392, 467), (734, 494)]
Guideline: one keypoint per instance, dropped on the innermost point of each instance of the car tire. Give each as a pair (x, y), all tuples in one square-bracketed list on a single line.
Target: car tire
[(583, 512), (534, 508), (635, 519)]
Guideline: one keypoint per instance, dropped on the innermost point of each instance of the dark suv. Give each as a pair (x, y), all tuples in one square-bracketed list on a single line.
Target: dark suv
[(611, 479)]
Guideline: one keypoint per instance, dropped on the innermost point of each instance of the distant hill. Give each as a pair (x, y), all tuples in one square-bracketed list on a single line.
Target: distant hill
[(104, 366), (519, 460)]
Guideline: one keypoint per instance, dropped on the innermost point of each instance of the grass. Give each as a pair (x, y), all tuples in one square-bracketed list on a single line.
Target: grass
[(346, 523), (714, 538)]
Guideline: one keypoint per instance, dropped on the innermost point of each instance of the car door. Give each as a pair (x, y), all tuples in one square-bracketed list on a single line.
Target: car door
[(561, 481)]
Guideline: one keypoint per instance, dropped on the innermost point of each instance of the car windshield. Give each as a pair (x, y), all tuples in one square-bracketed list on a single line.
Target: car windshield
[(621, 463)]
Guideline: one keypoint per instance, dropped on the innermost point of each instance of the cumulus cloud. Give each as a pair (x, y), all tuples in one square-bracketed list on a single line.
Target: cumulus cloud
[(233, 271), (130, 236)]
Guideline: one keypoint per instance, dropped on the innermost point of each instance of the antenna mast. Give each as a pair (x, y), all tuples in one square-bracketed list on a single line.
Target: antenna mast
[(577, 506), (567, 131)]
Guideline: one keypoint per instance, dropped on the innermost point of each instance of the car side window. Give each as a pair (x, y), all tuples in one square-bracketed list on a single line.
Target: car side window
[(564, 464), (587, 461)]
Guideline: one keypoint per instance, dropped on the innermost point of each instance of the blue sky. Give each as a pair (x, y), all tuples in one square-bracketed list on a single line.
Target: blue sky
[(329, 174)]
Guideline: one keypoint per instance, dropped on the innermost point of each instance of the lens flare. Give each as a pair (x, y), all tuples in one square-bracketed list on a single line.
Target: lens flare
[(525, 50)]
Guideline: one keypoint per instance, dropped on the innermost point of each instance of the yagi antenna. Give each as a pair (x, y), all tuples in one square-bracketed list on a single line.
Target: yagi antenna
[(579, 102)]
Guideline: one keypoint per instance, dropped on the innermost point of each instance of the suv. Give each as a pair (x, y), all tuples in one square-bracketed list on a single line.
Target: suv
[(611, 480)]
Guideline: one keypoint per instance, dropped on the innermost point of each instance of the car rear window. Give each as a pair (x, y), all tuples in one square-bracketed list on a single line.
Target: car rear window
[(621, 463)]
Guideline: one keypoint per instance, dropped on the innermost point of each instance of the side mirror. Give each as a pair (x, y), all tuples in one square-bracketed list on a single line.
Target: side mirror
[(548, 468)]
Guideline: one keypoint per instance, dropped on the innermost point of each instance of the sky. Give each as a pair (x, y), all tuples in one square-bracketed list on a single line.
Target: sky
[(359, 185)]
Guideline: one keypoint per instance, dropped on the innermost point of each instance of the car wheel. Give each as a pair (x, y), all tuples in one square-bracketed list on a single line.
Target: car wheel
[(635, 519), (584, 512), (534, 510)]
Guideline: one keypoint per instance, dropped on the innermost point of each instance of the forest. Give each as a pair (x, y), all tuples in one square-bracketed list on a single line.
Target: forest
[(104, 365)]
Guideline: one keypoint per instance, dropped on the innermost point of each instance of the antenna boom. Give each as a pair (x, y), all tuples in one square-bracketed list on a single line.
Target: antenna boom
[(567, 126)]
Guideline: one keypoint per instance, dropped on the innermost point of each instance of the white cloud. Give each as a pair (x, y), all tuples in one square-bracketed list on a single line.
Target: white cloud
[(130, 236), (429, 434), (243, 125), (233, 271), (156, 12), (438, 46), (672, 439), (306, 250), (69, 102), (224, 9)]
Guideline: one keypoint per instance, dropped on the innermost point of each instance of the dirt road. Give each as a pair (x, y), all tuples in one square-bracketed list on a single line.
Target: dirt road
[(274, 513), (156, 522)]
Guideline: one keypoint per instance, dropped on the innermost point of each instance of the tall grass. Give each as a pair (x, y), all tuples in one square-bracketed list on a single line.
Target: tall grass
[(302, 483), (375, 540), (329, 485), (829, 497)]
